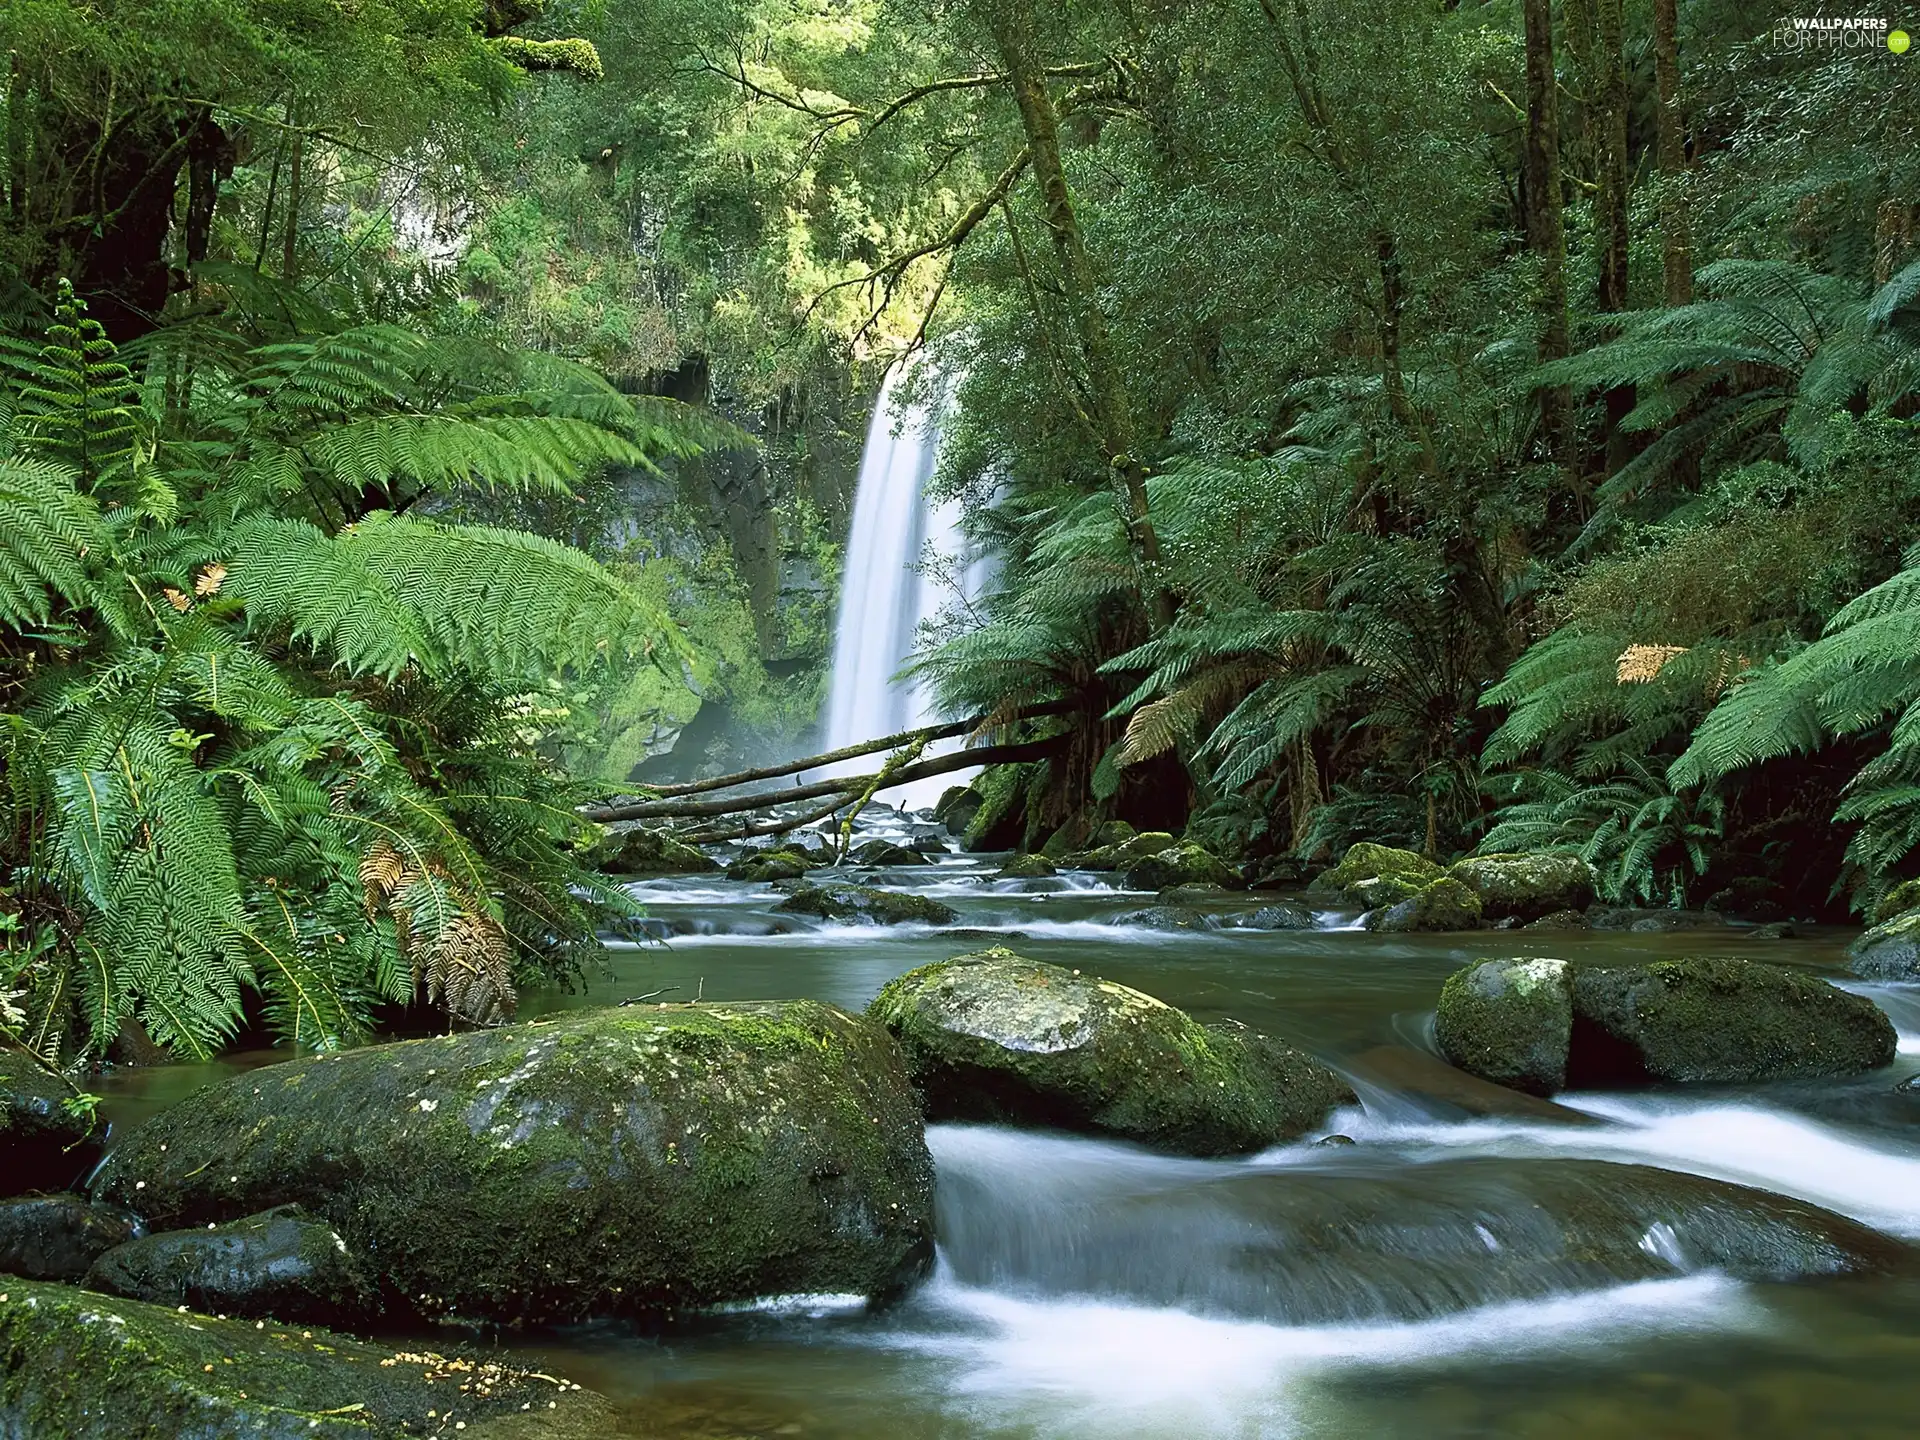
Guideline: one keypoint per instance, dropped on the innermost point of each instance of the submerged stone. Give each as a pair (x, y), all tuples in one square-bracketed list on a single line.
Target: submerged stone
[(1509, 1021), (1372, 875), (867, 905), (82, 1366), (651, 852), (1707, 1019), (45, 1144), (56, 1237), (1527, 887), (282, 1264), (995, 1036), (610, 1162)]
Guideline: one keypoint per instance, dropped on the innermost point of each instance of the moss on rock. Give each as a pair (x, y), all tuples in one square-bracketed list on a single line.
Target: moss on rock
[(1509, 1021), (43, 1144), (1123, 854), (56, 1237), (1708, 1018), (865, 904), (995, 1036), (82, 1366), (1889, 951), (1025, 867), (1526, 887), (605, 1163), (1182, 864), (651, 852), (1443, 905), (1372, 875)]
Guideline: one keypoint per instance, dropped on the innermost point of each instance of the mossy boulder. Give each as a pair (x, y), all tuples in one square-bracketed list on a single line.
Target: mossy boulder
[(866, 905), (1901, 898), (995, 1036), (651, 852), (1509, 1021), (56, 1237), (1444, 905), (1166, 917), (1111, 832), (608, 1162), (1709, 1018), (1123, 854), (44, 1143), (1026, 867), (82, 1366), (1372, 876), (282, 1264), (1184, 864), (1889, 951), (1196, 892), (885, 852), (956, 807), (1526, 887)]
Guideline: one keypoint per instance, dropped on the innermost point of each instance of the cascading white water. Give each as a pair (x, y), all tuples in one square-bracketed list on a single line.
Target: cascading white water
[(885, 590)]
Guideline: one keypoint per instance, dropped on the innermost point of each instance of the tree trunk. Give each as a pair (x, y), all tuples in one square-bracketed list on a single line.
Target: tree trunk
[(114, 240), (1676, 224), (1013, 27), (1546, 232)]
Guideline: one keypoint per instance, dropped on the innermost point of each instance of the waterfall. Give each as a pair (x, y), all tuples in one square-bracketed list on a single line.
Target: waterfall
[(884, 594)]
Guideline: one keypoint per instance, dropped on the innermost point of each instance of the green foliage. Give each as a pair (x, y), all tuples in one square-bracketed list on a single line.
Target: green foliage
[(256, 751)]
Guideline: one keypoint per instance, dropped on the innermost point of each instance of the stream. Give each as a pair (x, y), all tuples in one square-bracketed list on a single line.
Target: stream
[(1404, 1285)]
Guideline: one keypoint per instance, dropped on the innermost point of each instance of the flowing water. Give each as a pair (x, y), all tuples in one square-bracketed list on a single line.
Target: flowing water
[(1462, 1270)]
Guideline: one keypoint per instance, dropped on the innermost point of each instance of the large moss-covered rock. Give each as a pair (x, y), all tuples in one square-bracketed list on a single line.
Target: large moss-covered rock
[(1026, 867), (1167, 917), (1123, 854), (1716, 1019), (1182, 864), (45, 1143), (1889, 951), (1372, 875), (1901, 898), (1526, 887), (651, 852), (868, 906), (80, 1366), (1286, 915), (885, 852), (1509, 1021), (994, 1036), (1443, 905), (283, 1264), (56, 1237), (607, 1162), (781, 862)]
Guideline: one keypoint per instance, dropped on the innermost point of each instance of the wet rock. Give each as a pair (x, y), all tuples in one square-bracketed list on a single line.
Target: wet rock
[(56, 1237), (867, 905), (1166, 917), (44, 1143), (1901, 898), (1444, 905), (1067, 840), (1706, 1019), (1889, 951), (610, 1162), (281, 1264), (82, 1366), (1026, 867), (1527, 887), (885, 852), (780, 862), (1111, 832), (1182, 864), (1284, 916), (995, 1036), (974, 936), (650, 852), (1333, 1142), (928, 840), (1192, 893), (957, 806), (1650, 922), (1281, 873), (1351, 1237), (1560, 920), (1510, 1022), (1123, 855), (1778, 930), (1748, 899), (1371, 876)]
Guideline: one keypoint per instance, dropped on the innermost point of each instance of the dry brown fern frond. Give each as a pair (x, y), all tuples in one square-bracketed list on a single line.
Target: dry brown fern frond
[(383, 869), (469, 970), (1641, 664)]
